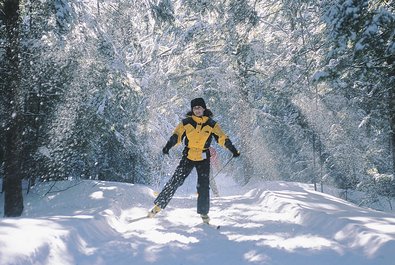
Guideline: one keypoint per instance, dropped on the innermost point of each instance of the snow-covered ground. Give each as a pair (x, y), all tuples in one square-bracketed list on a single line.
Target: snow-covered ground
[(94, 222)]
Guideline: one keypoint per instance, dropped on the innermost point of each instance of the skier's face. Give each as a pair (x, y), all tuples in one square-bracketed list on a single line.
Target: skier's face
[(198, 111)]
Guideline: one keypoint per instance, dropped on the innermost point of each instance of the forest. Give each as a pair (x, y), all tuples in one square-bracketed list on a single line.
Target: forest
[(93, 89)]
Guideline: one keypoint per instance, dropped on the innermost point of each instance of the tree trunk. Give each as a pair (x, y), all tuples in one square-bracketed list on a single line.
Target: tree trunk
[(392, 122), (391, 107), (13, 204)]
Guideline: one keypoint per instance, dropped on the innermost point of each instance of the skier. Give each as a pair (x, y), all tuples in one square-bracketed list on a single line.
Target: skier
[(197, 131)]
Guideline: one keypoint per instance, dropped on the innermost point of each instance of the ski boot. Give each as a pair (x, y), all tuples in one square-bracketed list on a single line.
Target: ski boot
[(156, 209), (205, 218)]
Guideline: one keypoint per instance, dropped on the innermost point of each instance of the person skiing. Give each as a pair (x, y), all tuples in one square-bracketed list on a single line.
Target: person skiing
[(197, 130)]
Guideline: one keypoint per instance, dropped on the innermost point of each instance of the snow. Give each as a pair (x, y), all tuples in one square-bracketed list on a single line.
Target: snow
[(94, 222), (319, 74), (43, 150)]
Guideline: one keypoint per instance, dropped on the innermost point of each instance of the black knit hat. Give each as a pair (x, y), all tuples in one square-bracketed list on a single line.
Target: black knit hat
[(198, 102)]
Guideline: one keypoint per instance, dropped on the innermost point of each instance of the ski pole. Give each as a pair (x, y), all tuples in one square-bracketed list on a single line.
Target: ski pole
[(223, 167)]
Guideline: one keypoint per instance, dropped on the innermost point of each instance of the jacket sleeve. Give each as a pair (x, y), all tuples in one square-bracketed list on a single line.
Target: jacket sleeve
[(176, 138), (219, 135), (223, 140)]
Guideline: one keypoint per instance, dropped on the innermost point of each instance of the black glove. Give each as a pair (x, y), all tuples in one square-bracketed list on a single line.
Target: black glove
[(236, 153), (230, 146), (172, 142), (165, 150)]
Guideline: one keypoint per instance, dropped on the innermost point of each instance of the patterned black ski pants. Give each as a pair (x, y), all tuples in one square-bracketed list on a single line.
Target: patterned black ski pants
[(182, 172)]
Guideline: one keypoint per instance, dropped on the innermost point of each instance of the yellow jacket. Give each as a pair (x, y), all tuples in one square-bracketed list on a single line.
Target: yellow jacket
[(197, 133)]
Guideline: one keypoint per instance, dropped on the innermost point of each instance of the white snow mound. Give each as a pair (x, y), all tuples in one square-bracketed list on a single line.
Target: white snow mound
[(93, 222)]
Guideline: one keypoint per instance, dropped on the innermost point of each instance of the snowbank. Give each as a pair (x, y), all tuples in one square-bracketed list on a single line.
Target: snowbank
[(93, 222)]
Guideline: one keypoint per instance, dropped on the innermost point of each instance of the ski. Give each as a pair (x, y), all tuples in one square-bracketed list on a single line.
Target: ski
[(216, 227), (132, 220)]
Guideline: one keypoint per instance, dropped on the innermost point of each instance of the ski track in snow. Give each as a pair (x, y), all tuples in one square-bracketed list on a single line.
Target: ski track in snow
[(270, 223)]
